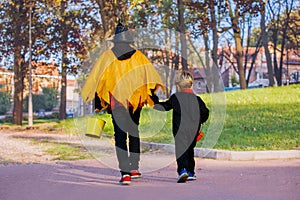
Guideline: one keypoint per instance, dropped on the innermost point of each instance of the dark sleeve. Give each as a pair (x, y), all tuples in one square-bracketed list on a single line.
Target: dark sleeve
[(204, 112), (153, 96), (165, 105), (100, 106), (97, 102)]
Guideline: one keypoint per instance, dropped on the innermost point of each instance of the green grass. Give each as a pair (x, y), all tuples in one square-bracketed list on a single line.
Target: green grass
[(254, 119), (261, 119), (63, 150)]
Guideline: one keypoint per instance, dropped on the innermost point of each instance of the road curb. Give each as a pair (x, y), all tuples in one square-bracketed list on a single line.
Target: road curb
[(229, 155)]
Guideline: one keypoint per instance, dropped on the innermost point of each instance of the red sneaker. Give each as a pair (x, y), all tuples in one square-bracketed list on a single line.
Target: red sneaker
[(125, 180), (135, 174)]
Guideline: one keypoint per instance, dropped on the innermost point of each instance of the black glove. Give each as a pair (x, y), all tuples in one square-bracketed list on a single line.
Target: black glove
[(153, 96)]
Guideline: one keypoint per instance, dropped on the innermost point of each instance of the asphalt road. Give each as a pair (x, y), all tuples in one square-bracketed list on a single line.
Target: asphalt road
[(89, 179)]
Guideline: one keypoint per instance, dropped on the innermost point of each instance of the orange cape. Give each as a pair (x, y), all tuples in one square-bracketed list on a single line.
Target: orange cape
[(129, 81)]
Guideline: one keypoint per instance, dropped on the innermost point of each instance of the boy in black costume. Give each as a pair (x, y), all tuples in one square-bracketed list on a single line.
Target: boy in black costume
[(189, 112)]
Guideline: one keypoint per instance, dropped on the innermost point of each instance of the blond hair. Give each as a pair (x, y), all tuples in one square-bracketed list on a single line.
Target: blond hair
[(184, 80)]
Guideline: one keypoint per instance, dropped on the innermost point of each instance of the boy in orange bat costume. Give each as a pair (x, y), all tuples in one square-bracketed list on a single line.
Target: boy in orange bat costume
[(123, 79)]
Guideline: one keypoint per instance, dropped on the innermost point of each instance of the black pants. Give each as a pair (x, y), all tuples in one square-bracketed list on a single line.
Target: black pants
[(125, 124), (184, 150)]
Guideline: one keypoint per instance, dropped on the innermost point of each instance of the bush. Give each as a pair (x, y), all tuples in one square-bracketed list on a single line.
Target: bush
[(234, 80), (50, 98), (46, 101), (7, 119), (4, 103), (38, 102)]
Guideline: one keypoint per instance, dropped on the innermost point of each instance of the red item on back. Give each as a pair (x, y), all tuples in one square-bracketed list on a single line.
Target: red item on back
[(200, 135)]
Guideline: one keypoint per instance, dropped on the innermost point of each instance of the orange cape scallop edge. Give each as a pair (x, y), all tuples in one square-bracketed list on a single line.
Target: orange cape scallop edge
[(129, 81)]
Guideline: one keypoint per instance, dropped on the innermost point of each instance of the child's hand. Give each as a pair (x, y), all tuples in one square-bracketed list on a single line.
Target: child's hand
[(97, 110)]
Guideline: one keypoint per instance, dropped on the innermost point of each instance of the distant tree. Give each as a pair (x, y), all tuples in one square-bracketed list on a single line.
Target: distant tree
[(281, 11), (60, 30), (181, 29), (69, 28), (205, 18), (161, 20), (14, 45), (248, 56), (293, 36), (254, 36), (237, 12), (264, 39), (110, 12)]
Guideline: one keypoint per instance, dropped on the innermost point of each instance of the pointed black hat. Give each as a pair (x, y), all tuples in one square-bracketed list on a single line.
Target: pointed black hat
[(122, 34)]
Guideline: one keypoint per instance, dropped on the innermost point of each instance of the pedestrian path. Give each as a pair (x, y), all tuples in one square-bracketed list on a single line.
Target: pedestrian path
[(92, 180)]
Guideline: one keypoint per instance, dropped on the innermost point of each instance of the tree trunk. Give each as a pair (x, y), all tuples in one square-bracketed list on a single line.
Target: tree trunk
[(247, 52), (18, 85), (276, 70), (181, 29), (239, 55), (284, 37), (238, 45), (63, 92), (110, 11), (215, 67), (254, 56), (19, 62), (208, 71), (264, 40), (279, 80)]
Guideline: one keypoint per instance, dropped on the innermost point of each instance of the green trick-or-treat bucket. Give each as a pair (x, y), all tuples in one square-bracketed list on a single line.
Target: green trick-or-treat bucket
[(94, 126)]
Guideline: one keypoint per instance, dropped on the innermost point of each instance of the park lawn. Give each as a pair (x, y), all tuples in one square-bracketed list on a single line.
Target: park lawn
[(261, 119), (254, 119)]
